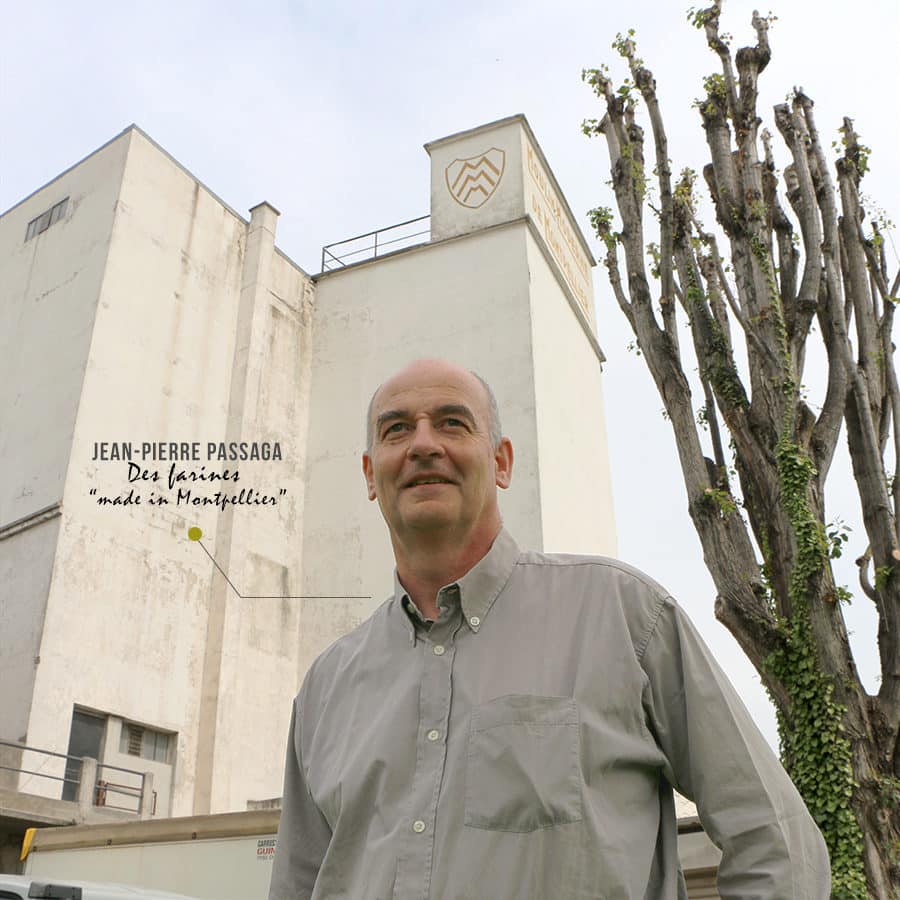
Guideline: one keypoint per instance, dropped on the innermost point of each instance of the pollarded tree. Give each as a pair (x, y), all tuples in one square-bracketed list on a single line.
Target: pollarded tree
[(764, 537)]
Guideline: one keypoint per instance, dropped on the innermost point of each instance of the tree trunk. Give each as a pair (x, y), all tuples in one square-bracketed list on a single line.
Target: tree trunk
[(763, 533)]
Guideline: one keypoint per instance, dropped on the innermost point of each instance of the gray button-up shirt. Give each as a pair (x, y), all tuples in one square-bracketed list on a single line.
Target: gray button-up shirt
[(524, 746)]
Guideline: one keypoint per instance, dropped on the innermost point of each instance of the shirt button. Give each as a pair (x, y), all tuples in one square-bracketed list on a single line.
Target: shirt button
[(433, 735), (474, 621), (418, 826), (438, 649)]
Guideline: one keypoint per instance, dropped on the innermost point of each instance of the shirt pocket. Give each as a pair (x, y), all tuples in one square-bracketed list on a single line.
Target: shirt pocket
[(522, 767)]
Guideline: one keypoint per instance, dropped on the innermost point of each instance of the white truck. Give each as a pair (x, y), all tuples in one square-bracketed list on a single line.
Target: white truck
[(229, 856), (23, 887), (216, 857)]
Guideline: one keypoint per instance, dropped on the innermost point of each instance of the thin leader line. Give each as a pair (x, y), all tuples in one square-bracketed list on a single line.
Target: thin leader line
[(282, 596)]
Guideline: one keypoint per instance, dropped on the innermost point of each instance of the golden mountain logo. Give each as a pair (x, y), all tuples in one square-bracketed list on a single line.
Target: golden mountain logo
[(472, 181)]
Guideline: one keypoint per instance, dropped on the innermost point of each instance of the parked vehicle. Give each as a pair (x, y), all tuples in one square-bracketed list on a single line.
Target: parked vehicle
[(227, 856), (25, 887)]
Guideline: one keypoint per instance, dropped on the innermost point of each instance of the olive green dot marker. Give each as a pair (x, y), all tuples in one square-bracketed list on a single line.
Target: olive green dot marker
[(195, 533)]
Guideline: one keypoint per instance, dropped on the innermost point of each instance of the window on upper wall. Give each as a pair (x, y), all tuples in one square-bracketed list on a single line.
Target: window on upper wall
[(42, 222), (145, 742)]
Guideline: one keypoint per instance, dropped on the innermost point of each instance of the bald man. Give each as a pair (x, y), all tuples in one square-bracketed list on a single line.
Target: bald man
[(509, 725)]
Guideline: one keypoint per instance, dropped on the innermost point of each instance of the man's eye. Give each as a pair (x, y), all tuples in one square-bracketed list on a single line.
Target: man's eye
[(396, 427), (455, 423)]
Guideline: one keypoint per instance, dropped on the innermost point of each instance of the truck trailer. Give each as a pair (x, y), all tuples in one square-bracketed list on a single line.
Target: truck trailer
[(213, 857), (229, 856)]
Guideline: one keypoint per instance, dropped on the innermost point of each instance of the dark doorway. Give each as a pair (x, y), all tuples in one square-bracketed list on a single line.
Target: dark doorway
[(85, 739)]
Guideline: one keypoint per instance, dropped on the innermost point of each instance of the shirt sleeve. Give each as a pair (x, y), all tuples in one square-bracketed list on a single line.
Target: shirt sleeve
[(303, 833), (749, 807)]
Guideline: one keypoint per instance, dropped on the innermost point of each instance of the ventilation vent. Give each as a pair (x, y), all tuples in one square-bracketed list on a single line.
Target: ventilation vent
[(135, 740)]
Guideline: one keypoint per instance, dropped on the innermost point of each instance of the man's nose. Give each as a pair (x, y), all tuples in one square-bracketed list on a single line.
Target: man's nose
[(424, 441)]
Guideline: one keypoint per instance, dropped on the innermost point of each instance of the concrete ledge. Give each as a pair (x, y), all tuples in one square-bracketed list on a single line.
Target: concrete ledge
[(19, 811), (30, 809)]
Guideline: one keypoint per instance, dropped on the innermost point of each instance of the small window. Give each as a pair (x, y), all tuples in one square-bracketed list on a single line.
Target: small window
[(144, 742), (58, 212), (41, 223)]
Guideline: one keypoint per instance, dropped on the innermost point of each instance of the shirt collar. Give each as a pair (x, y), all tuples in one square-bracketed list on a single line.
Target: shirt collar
[(478, 588)]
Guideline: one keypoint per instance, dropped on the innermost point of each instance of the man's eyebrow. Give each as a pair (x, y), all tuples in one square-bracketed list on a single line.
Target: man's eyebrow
[(448, 409), (388, 415), (454, 409)]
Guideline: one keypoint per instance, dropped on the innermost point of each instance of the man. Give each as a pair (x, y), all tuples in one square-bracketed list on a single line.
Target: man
[(509, 726)]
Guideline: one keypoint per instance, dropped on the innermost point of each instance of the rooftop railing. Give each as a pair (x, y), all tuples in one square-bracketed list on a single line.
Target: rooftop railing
[(369, 245)]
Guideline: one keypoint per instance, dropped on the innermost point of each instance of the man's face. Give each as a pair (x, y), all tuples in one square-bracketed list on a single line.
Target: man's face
[(431, 466)]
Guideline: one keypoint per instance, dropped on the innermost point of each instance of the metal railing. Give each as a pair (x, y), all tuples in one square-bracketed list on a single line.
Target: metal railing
[(103, 788), (367, 246), (47, 753), (89, 788)]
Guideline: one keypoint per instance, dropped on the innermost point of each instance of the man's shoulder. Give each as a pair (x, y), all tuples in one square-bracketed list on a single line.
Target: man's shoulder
[(602, 588), (605, 570), (348, 646)]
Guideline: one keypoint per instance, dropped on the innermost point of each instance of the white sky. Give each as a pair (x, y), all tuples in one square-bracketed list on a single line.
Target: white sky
[(322, 109)]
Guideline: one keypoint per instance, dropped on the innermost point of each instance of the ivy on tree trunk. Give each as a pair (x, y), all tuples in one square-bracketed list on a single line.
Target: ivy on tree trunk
[(796, 256)]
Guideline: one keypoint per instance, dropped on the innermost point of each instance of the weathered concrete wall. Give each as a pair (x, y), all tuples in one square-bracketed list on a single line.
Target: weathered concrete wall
[(261, 631), (48, 298), (189, 345), (26, 563), (576, 489)]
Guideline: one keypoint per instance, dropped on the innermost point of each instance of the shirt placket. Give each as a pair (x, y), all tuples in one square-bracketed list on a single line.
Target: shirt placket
[(438, 646)]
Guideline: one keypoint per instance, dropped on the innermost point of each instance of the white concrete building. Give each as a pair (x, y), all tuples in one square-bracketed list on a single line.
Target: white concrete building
[(137, 308)]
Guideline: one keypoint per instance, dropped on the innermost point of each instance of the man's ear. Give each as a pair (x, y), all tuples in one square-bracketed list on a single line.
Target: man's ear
[(503, 462), (369, 475)]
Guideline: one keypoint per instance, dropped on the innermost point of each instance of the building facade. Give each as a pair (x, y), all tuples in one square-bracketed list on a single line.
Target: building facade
[(166, 367)]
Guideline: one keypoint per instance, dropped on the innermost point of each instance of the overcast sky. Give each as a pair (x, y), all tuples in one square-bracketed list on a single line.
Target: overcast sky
[(322, 109)]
